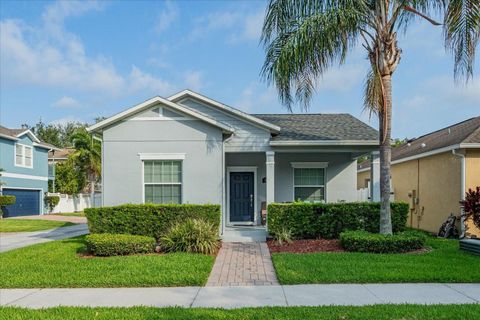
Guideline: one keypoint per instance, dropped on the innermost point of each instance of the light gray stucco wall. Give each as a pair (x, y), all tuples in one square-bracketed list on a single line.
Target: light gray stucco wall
[(202, 167), (341, 175)]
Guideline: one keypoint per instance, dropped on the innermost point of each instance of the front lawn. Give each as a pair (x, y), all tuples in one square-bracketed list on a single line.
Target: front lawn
[(445, 263), (24, 225), (378, 312), (57, 264)]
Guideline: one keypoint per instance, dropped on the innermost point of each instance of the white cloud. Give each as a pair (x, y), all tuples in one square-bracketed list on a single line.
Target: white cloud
[(193, 80), (140, 80), (242, 26), (51, 56), (341, 79), (167, 17), (65, 120), (66, 102)]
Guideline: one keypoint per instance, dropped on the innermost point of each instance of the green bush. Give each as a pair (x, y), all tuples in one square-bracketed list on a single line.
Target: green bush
[(362, 241), (106, 244), (151, 220), (191, 235), (320, 220), (51, 202), (6, 200)]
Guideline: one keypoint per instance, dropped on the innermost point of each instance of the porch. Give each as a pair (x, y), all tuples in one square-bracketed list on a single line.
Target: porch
[(252, 180)]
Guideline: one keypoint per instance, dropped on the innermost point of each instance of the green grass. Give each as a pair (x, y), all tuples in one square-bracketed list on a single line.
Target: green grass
[(444, 263), (71, 214), (23, 225), (57, 264), (378, 312)]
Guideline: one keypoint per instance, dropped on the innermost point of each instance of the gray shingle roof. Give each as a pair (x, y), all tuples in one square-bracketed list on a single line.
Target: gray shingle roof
[(14, 132), (467, 131), (317, 126)]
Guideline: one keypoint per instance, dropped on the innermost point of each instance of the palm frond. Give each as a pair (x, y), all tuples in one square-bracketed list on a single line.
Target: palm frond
[(373, 96), (462, 33)]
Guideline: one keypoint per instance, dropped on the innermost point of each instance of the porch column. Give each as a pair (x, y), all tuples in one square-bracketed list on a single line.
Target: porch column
[(375, 176), (270, 170)]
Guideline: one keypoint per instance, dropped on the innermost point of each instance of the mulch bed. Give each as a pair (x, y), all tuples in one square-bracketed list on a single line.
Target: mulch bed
[(306, 246)]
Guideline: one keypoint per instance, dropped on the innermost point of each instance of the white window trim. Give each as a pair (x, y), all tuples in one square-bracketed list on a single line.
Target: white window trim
[(162, 156), (310, 165), (24, 147), (162, 183)]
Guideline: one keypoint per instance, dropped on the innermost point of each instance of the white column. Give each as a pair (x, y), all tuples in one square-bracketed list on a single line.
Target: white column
[(375, 176), (270, 170)]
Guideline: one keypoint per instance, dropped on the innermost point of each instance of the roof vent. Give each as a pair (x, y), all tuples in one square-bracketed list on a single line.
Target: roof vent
[(423, 145), (409, 144), (448, 130)]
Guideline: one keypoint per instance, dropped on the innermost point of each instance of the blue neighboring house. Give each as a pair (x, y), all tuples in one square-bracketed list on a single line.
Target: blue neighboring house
[(24, 159)]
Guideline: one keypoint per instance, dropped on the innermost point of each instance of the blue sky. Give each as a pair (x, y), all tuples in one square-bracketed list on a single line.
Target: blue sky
[(63, 61)]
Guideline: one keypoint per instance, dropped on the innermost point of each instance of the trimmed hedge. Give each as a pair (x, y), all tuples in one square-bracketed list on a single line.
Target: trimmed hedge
[(328, 220), (362, 241), (106, 244), (51, 202), (7, 200), (152, 220)]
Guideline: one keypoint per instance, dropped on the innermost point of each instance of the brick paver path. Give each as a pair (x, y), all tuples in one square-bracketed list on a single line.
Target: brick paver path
[(243, 264)]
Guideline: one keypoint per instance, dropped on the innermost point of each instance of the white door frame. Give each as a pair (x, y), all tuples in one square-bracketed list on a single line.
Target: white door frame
[(242, 169)]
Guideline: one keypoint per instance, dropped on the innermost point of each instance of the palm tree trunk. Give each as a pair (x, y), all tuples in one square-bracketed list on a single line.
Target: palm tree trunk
[(385, 126)]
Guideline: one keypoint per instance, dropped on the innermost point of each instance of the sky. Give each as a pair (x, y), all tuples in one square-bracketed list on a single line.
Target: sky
[(75, 61)]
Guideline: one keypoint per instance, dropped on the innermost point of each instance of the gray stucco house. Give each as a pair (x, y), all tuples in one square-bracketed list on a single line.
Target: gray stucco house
[(189, 148)]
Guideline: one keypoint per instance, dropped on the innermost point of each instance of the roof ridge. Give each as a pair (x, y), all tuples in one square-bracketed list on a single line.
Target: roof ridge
[(473, 133)]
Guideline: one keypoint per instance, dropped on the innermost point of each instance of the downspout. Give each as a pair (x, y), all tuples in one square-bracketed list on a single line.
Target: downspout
[(462, 189)]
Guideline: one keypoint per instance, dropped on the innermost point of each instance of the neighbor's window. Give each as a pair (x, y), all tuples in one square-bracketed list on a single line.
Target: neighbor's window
[(163, 181), (309, 184), (23, 156)]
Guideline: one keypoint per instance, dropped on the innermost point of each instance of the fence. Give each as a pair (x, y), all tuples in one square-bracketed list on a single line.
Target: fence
[(76, 203)]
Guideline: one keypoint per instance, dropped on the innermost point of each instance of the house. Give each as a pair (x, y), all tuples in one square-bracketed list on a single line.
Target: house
[(433, 172), (189, 148), (23, 157)]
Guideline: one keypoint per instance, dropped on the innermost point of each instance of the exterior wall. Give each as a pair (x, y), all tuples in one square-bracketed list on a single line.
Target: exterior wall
[(34, 178), (436, 181), (250, 160), (361, 178), (472, 180), (123, 170), (247, 137), (341, 175)]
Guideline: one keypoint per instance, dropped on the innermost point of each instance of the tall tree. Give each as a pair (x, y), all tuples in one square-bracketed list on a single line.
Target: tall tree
[(304, 38), (87, 156)]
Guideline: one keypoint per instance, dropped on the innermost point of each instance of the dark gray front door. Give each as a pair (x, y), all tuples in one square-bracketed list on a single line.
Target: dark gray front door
[(241, 196)]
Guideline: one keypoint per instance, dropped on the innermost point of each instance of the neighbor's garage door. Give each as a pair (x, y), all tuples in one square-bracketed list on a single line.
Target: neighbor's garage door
[(27, 203)]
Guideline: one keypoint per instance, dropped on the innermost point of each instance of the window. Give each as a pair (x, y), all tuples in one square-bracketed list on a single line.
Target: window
[(309, 184), (163, 181), (23, 156)]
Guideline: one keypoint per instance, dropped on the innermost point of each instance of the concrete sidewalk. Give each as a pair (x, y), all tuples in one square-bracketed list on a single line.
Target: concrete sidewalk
[(23, 239), (248, 296)]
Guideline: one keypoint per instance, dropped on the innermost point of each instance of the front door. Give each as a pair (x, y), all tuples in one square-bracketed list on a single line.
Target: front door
[(242, 197)]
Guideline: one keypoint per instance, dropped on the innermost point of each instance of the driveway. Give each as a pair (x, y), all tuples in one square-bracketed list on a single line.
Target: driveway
[(10, 241)]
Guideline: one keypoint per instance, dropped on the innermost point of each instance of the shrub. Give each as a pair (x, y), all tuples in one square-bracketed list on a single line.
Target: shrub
[(471, 205), (6, 200), (362, 241), (107, 244), (328, 220), (51, 202), (284, 236), (191, 235), (151, 220)]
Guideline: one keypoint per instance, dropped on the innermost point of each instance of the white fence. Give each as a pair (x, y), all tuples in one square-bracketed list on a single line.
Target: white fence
[(76, 203), (363, 195)]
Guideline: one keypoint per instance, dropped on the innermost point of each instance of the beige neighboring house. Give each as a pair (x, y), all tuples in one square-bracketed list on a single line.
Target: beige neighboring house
[(432, 173), (54, 157)]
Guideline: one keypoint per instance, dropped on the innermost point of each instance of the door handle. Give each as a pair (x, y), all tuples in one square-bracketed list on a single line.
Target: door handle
[(251, 200)]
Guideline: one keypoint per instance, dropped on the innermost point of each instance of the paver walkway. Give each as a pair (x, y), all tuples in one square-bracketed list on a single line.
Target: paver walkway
[(243, 264), (247, 296), (10, 241)]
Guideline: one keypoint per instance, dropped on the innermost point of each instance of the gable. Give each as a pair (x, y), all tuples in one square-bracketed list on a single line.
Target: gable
[(246, 136)]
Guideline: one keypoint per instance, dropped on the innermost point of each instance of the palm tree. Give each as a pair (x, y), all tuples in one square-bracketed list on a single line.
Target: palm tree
[(304, 38), (87, 157)]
